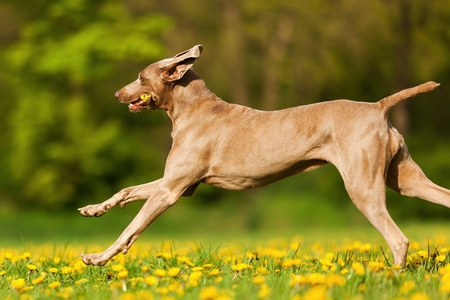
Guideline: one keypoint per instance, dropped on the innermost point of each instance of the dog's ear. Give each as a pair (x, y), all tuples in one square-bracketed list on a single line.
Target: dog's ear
[(180, 63)]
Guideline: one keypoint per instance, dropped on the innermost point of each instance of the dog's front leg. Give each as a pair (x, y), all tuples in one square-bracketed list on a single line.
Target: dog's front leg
[(127, 195), (158, 202)]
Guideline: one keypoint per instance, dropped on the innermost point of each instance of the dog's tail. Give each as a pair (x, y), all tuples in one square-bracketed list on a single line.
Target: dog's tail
[(392, 100)]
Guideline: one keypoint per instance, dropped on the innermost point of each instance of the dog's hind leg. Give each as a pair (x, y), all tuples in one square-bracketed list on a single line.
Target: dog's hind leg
[(127, 195), (363, 171), (370, 199), (407, 178)]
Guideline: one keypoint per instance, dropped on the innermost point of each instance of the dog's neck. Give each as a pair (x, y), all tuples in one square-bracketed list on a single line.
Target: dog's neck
[(188, 94)]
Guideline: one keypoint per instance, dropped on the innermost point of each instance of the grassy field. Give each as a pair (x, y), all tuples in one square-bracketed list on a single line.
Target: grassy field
[(324, 263)]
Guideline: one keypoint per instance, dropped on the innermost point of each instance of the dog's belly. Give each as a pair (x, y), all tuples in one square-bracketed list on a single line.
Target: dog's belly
[(243, 180), (232, 183)]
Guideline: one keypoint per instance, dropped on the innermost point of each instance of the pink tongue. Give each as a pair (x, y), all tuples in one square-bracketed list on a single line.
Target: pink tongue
[(134, 104)]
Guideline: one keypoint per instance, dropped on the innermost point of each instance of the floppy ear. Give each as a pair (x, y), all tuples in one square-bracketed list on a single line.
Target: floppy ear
[(180, 63)]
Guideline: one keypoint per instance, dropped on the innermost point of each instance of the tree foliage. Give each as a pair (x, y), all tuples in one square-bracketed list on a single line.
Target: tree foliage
[(60, 144)]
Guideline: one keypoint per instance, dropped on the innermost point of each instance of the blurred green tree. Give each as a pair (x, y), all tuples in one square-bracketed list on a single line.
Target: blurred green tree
[(59, 146)]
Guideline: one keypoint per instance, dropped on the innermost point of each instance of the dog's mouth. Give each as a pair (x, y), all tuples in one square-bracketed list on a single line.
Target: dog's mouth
[(143, 103)]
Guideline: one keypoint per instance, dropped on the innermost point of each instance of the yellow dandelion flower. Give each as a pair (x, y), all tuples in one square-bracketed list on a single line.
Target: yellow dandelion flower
[(444, 270), (122, 275), (419, 296), (193, 282), (329, 256), (209, 293), (56, 260), (294, 246), (440, 258), (186, 260), (264, 291), (127, 296), (53, 270), (397, 267), (31, 267), (136, 280), (162, 290), (145, 269), (297, 297), (2, 273), (214, 272), (259, 280), (115, 285), (173, 272), (297, 280), (195, 275), (406, 287), (18, 284), (144, 97), (208, 266), (145, 295), (327, 263), (356, 245), (344, 271), (375, 266), (358, 268), (197, 269), (365, 248), (38, 280), (362, 287), (422, 254), (66, 293), (291, 263), (239, 267), (262, 271), (335, 280), (317, 293), (117, 268), (78, 266), (54, 284), (445, 287), (66, 270), (389, 274), (315, 278), (151, 280), (160, 273)]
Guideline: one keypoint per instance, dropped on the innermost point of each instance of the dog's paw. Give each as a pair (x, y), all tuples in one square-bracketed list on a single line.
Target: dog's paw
[(95, 210), (95, 259)]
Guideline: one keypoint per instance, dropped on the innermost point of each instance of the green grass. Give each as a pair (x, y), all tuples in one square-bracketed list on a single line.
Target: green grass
[(297, 260), (258, 234), (274, 269)]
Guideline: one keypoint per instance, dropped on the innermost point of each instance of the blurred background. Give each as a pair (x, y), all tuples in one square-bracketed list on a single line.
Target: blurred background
[(67, 142)]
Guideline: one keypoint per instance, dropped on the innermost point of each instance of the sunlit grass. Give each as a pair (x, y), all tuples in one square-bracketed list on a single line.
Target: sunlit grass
[(272, 269)]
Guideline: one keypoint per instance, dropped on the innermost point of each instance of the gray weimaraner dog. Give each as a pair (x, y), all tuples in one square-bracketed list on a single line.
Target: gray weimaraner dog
[(237, 147)]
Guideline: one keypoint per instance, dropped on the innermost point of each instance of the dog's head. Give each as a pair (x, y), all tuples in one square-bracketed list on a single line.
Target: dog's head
[(152, 88)]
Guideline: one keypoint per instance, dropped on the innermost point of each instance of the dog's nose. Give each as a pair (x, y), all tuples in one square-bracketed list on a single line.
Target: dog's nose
[(117, 95)]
